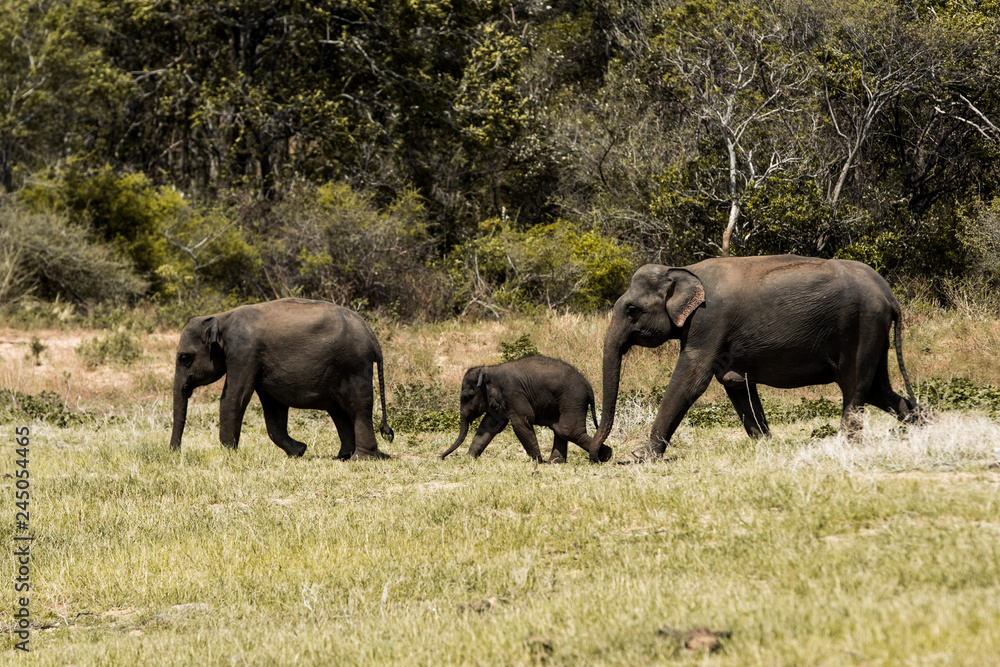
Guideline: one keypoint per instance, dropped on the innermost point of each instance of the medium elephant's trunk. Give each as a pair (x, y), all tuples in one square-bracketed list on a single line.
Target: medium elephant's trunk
[(615, 348), (180, 412), (463, 430)]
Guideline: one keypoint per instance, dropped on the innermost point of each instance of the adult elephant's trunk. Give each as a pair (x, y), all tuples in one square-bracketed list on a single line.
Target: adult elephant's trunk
[(615, 347), (181, 395), (463, 430)]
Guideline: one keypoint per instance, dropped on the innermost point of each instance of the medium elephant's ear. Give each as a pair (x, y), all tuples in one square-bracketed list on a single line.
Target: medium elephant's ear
[(212, 335), (684, 294)]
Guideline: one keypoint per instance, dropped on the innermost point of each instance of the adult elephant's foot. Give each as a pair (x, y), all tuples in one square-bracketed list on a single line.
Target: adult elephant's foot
[(376, 455)]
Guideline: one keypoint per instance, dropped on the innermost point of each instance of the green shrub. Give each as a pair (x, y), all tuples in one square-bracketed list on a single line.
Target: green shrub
[(419, 407), (958, 394), (338, 244), (50, 257), (713, 414), (46, 406), (117, 349), (126, 210), (518, 348), (558, 265)]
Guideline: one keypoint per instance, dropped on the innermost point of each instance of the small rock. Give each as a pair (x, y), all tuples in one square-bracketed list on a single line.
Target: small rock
[(697, 639)]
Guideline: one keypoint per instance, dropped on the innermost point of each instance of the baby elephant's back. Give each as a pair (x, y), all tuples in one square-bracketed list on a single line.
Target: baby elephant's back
[(556, 382)]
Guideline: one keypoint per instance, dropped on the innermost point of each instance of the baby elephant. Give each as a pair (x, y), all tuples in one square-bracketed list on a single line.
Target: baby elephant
[(525, 392)]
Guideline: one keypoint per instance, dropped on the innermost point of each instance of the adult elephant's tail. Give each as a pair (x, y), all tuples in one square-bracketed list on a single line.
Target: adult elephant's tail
[(897, 324), (384, 429), (593, 411)]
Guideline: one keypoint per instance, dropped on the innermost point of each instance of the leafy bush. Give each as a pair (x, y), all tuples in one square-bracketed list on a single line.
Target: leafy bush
[(958, 394), (118, 349), (46, 406), (421, 408), (555, 266), (518, 348), (722, 413), (126, 210), (50, 257), (335, 243), (719, 413)]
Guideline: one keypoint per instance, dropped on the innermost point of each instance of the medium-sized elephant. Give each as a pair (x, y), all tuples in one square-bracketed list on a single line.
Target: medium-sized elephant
[(295, 353), (783, 321), (526, 392)]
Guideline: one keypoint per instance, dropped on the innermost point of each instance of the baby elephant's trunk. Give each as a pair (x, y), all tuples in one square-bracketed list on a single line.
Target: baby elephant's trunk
[(462, 432)]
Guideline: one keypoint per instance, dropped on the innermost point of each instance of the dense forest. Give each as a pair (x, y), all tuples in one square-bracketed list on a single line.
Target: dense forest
[(431, 158)]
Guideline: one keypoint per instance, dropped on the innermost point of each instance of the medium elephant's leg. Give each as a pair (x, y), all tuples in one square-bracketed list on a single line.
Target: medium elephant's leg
[(883, 397), (236, 394), (560, 449), (856, 376), (488, 429), (689, 381), (345, 430), (364, 437), (747, 403), (525, 432), (276, 419)]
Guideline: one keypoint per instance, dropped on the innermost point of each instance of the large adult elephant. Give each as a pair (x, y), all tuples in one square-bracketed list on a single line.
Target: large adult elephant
[(295, 353), (783, 321)]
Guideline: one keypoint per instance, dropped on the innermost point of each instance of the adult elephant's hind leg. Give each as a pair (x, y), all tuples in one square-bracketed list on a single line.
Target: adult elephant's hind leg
[(345, 429), (276, 419), (361, 407), (856, 377), (746, 400), (884, 398)]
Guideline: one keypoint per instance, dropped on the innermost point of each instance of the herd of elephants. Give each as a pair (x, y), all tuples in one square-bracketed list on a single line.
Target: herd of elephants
[(783, 321)]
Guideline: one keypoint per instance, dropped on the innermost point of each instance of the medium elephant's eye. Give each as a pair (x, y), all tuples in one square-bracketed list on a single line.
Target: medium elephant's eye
[(185, 359)]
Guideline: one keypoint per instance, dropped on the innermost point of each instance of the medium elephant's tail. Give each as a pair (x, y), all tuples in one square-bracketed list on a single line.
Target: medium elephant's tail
[(897, 322), (593, 411), (384, 429)]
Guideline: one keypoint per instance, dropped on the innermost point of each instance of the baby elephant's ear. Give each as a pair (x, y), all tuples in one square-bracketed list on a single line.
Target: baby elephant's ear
[(494, 397)]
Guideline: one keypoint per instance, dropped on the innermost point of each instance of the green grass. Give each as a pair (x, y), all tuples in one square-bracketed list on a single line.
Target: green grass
[(884, 551), (808, 550)]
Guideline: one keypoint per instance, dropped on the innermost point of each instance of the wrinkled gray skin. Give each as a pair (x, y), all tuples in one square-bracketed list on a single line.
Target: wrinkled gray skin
[(294, 353), (528, 392), (783, 321)]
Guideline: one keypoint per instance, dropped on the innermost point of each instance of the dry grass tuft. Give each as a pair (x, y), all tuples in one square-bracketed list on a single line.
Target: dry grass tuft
[(949, 441)]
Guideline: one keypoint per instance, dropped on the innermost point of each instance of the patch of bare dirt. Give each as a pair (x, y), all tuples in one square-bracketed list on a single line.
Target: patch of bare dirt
[(64, 372)]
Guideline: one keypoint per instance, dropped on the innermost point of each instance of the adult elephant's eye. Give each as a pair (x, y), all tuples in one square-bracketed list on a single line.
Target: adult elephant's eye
[(631, 311)]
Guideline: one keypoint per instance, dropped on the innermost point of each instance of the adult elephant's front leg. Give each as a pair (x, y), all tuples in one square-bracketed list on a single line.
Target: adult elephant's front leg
[(689, 381), (747, 403), (236, 394)]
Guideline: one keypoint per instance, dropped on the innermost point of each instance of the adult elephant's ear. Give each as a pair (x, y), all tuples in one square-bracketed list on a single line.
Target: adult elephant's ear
[(684, 294)]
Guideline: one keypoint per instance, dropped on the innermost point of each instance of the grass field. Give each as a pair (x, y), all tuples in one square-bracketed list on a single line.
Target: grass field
[(803, 550)]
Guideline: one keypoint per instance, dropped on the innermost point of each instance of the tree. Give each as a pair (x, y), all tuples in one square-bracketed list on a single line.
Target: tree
[(58, 91), (733, 65)]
